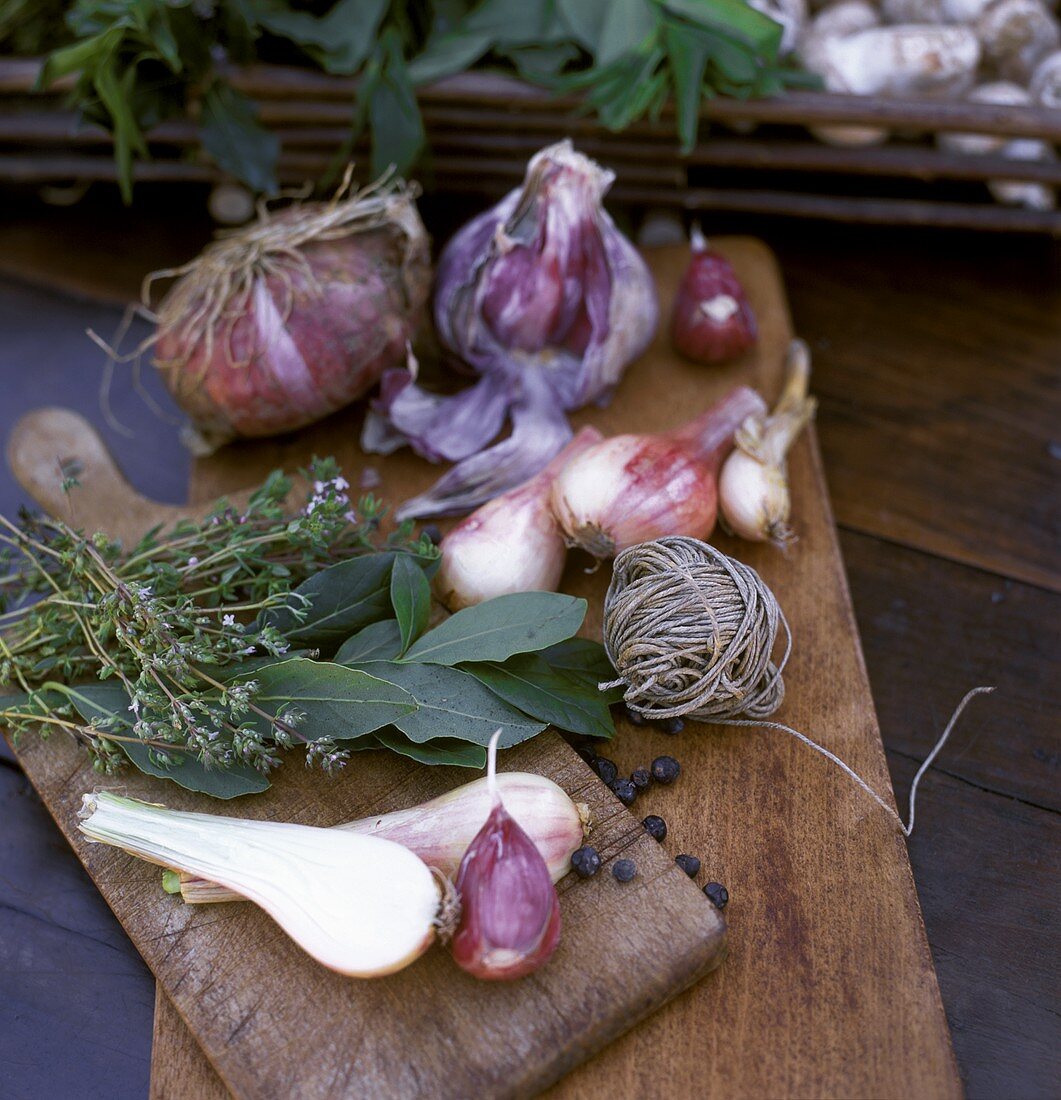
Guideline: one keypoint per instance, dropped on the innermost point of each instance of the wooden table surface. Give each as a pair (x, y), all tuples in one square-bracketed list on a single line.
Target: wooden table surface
[(936, 361)]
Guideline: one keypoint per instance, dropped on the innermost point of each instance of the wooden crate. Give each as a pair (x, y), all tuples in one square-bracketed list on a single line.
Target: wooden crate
[(753, 156)]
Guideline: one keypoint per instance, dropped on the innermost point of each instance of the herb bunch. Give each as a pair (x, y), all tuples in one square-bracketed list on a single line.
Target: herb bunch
[(139, 62), (206, 651), (161, 627)]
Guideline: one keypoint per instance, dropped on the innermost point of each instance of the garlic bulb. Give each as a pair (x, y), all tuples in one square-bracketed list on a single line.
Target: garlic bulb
[(1045, 86), (791, 15), (1016, 35)]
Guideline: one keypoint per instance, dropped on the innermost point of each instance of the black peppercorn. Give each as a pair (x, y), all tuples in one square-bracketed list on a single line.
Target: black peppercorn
[(665, 769), (632, 716), (624, 790), (671, 725), (606, 769), (640, 778), (585, 861), (689, 864), (433, 532), (717, 894), (656, 827), (624, 869)]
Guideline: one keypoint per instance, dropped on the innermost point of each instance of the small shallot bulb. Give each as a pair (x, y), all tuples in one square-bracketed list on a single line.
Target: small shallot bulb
[(633, 488), (712, 320), (511, 544), (510, 913), (753, 488)]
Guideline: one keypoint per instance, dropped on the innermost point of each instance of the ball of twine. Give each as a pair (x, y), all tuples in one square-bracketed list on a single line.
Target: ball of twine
[(691, 632)]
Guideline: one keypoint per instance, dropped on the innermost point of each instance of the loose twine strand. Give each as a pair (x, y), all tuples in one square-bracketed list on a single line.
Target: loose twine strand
[(661, 597)]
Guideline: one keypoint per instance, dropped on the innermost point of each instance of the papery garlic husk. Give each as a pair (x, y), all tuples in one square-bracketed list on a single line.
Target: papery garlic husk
[(753, 488), (285, 321), (712, 320), (541, 291), (439, 831), (360, 905), (510, 912), (633, 488), (512, 543)]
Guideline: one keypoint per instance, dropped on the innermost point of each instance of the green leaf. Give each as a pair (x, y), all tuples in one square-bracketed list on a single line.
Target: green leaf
[(688, 60), (380, 641), (527, 682), (586, 661), (111, 701), (231, 133), (444, 750), (515, 23), (733, 16), (338, 702), (411, 598), (453, 704), (584, 20), (495, 630), (626, 26), (342, 599), (397, 128), (339, 41), (447, 54)]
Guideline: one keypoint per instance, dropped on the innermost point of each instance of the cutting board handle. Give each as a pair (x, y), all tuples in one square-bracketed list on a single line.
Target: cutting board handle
[(51, 445)]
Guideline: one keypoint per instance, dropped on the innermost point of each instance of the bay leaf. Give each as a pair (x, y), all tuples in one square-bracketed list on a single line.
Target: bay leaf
[(443, 750), (453, 704), (495, 630), (380, 641), (530, 684), (410, 596), (338, 702)]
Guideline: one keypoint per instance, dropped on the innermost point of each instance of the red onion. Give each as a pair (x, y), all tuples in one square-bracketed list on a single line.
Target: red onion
[(286, 321), (633, 488), (712, 320), (510, 544), (510, 914), (548, 302)]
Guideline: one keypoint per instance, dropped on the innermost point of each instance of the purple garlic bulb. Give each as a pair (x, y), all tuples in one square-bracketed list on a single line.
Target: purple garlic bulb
[(549, 303)]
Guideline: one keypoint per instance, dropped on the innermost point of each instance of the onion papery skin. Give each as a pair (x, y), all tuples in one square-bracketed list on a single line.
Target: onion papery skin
[(511, 544), (297, 341), (635, 488)]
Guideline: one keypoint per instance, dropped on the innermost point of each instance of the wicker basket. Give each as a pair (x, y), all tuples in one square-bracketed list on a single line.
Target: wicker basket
[(754, 155)]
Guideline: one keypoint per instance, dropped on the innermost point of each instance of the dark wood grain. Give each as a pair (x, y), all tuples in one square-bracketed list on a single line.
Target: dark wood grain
[(940, 418), (979, 628)]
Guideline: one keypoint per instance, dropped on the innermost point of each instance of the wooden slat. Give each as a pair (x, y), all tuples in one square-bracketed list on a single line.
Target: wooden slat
[(937, 419)]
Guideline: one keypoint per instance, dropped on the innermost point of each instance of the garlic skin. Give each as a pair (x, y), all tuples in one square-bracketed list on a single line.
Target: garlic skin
[(359, 905), (510, 544), (1045, 86), (510, 912), (753, 486), (440, 831), (633, 488)]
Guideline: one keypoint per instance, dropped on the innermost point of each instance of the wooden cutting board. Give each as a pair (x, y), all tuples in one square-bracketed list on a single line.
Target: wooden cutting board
[(829, 988)]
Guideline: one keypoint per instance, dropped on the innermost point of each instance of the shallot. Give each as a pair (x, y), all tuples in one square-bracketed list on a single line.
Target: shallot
[(286, 321), (510, 913), (360, 905), (439, 831), (753, 486), (548, 303), (712, 320), (632, 488), (511, 543)]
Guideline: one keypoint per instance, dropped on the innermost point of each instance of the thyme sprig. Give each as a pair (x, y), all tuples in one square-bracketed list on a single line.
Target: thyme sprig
[(166, 620)]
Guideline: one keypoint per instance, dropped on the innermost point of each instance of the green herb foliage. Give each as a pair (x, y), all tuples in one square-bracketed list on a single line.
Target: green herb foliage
[(139, 62), (196, 655)]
